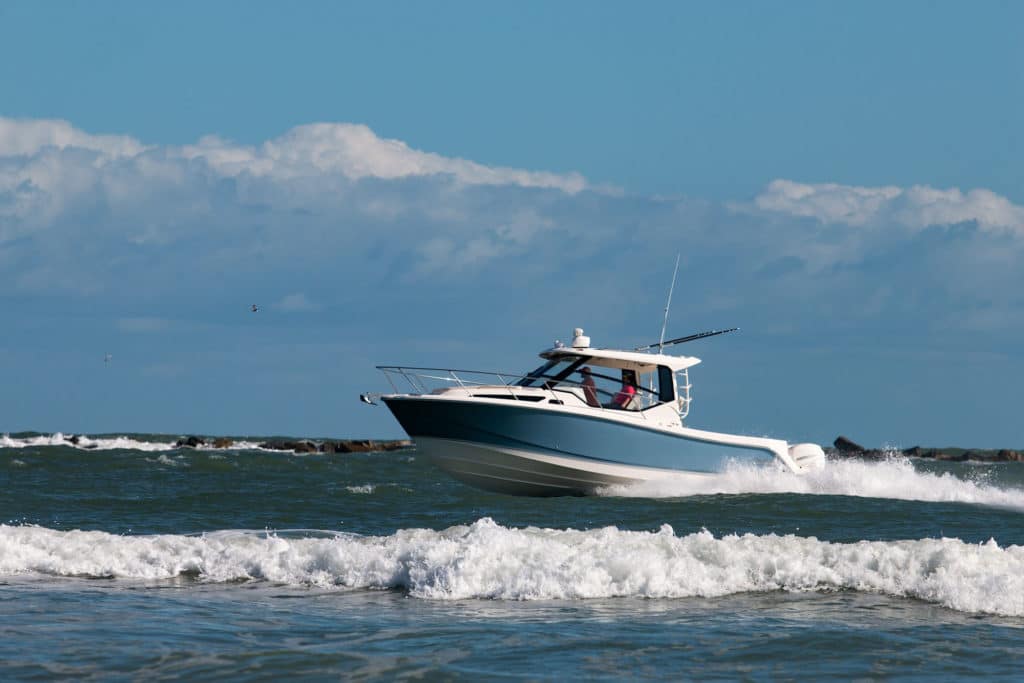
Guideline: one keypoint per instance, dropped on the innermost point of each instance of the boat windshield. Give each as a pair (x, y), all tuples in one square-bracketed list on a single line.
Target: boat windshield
[(552, 372), (605, 385)]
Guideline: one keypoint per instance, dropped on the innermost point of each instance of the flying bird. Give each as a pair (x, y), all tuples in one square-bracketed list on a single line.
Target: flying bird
[(107, 358), (255, 308)]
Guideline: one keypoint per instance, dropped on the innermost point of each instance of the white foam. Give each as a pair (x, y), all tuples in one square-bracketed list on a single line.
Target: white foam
[(173, 462), (85, 443), (895, 478), (110, 443), (486, 560), (365, 488)]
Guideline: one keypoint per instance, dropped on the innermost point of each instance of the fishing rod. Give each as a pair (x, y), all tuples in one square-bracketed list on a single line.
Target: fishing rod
[(688, 338)]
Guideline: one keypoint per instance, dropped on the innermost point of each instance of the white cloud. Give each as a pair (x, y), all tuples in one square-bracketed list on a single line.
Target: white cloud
[(26, 137), (356, 152), (52, 172), (915, 207), (350, 150), (467, 250), (351, 218)]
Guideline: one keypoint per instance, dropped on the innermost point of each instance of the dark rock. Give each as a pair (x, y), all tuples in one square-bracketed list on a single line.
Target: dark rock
[(847, 447), (296, 446), (934, 453), (363, 445), (343, 446), (223, 442), (189, 442), (953, 457), (920, 452), (357, 446), (73, 439)]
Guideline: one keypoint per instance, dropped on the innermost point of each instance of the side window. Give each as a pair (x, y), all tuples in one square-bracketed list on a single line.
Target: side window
[(666, 384)]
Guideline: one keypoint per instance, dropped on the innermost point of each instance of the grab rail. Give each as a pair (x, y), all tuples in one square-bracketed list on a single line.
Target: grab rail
[(415, 377)]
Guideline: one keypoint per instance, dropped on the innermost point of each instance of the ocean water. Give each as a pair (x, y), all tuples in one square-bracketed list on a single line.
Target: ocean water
[(124, 557)]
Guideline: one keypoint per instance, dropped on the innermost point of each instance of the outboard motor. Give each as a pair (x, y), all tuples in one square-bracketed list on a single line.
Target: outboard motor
[(807, 456)]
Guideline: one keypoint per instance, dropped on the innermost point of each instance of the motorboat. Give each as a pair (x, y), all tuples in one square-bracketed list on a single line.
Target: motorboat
[(586, 419)]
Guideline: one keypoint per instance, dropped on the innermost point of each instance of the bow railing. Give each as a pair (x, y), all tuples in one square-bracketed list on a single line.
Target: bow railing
[(427, 380)]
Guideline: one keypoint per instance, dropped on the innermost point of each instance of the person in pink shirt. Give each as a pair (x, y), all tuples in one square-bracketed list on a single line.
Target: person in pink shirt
[(625, 399)]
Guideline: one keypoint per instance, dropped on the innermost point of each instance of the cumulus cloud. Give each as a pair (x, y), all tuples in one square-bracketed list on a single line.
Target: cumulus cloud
[(356, 152), (26, 137), (332, 217), (914, 207), (115, 187), (350, 150)]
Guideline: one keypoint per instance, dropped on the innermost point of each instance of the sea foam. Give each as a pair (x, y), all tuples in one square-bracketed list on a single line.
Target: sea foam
[(107, 443), (895, 478), (487, 560)]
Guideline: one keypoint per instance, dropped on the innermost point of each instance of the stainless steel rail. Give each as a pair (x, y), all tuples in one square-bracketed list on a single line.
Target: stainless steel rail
[(426, 380)]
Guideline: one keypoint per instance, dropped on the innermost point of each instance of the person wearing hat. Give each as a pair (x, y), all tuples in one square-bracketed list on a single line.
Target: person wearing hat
[(589, 388)]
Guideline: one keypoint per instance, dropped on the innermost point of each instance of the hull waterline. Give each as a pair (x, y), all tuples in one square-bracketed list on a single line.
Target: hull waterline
[(520, 472), (537, 451)]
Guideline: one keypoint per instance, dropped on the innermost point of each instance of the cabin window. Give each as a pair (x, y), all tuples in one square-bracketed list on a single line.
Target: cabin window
[(666, 384)]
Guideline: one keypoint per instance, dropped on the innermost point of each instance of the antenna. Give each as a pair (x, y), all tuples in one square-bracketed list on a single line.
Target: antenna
[(668, 304), (664, 322)]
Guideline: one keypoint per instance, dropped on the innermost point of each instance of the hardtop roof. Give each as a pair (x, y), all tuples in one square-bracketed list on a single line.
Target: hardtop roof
[(628, 360)]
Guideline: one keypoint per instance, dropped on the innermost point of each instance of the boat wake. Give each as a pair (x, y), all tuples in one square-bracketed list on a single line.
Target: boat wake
[(490, 561), (895, 478)]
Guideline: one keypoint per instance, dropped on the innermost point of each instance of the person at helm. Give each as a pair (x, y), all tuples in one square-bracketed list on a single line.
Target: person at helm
[(626, 398)]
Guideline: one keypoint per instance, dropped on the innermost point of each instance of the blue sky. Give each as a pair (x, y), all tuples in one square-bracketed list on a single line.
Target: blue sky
[(462, 183)]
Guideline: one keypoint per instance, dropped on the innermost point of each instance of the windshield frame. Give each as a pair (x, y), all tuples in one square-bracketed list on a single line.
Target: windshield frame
[(571, 364)]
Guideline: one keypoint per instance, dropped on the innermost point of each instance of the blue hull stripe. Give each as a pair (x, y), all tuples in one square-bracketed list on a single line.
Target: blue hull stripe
[(563, 434)]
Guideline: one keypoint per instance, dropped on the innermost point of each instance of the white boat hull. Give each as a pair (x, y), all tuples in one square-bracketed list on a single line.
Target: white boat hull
[(524, 473)]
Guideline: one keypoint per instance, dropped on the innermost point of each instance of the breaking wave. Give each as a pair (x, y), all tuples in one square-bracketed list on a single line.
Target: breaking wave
[(107, 443), (895, 478), (487, 560)]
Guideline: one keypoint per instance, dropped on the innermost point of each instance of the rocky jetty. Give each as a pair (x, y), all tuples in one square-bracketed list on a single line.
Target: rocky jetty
[(344, 446), (299, 445), (844, 447)]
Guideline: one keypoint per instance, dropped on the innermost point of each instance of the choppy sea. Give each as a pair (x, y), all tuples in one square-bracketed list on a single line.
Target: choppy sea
[(124, 557)]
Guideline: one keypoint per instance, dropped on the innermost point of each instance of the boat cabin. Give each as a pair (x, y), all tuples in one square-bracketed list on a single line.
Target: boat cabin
[(573, 377), (607, 378)]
